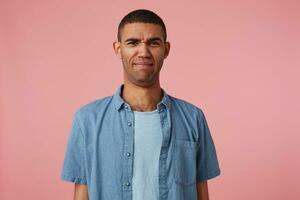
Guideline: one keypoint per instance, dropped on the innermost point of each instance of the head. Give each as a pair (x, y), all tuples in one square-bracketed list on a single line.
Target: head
[(142, 47)]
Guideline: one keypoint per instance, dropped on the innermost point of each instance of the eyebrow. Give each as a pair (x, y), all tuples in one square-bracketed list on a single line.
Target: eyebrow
[(149, 40)]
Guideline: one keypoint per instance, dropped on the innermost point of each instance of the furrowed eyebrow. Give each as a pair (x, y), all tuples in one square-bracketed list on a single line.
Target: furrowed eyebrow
[(149, 40), (131, 40), (154, 39)]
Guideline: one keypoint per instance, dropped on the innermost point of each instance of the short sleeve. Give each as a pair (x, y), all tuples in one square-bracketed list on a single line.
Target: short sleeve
[(73, 169), (207, 161)]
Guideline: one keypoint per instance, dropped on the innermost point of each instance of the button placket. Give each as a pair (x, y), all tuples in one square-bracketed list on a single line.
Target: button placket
[(163, 188), (128, 149)]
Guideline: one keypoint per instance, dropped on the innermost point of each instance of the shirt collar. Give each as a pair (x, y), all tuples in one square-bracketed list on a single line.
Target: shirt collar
[(119, 101)]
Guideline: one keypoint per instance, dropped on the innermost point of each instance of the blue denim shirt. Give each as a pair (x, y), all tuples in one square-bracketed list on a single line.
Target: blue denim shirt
[(100, 149)]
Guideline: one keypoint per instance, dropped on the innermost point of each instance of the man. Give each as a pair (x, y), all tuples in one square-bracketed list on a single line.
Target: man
[(140, 143)]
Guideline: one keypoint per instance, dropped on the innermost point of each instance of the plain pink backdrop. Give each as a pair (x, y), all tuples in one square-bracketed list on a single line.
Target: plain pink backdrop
[(237, 60)]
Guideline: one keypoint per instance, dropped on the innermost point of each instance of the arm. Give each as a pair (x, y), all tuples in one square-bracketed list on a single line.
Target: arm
[(81, 192), (202, 191)]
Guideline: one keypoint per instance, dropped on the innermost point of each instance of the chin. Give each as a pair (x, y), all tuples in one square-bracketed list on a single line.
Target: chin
[(144, 83)]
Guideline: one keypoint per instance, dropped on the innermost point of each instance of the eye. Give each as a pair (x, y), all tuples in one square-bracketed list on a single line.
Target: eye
[(154, 43), (133, 43)]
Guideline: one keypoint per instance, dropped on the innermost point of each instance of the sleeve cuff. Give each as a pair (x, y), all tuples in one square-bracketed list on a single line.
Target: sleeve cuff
[(210, 175), (73, 179)]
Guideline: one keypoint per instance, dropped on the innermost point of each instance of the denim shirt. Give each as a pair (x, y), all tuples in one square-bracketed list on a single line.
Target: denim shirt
[(99, 151)]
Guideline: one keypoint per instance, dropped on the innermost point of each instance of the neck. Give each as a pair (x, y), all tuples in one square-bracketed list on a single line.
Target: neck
[(141, 98)]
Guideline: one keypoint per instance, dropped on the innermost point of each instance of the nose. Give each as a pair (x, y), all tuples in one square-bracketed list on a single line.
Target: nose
[(144, 50)]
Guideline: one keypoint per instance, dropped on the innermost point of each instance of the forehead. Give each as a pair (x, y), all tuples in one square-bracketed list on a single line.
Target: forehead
[(141, 31)]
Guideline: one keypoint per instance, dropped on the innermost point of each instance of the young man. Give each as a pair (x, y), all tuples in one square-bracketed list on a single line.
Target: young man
[(140, 143)]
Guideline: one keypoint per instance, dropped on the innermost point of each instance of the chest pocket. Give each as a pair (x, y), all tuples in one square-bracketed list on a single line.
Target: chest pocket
[(185, 161)]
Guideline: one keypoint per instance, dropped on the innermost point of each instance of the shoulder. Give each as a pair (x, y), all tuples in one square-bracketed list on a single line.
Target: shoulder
[(182, 104), (93, 107)]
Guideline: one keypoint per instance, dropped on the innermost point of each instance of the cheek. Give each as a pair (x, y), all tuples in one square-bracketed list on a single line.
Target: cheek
[(159, 56), (127, 55)]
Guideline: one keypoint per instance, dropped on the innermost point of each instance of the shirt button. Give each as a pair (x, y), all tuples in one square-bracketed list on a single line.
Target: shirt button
[(128, 154), (127, 183), (129, 123)]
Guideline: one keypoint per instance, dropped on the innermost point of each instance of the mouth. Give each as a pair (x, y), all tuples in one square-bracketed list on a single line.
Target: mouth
[(143, 64)]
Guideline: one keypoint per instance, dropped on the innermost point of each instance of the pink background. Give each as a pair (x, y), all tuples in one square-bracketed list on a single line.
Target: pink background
[(237, 60)]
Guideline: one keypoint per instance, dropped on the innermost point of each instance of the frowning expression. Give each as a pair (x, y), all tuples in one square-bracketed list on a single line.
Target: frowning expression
[(142, 49)]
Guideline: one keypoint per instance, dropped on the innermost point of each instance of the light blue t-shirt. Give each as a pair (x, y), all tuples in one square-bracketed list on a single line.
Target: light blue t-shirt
[(146, 148)]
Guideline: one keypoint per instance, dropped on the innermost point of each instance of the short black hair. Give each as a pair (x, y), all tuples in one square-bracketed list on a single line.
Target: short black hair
[(142, 16)]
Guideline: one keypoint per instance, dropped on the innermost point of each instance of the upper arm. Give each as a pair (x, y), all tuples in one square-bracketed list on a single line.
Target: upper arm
[(207, 160), (74, 168), (81, 192), (202, 190)]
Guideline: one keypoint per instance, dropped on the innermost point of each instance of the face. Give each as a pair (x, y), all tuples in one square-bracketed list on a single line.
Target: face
[(142, 50)]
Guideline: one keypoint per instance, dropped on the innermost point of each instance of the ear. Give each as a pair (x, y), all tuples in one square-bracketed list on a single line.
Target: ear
[(167, 49), (117, 49)]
